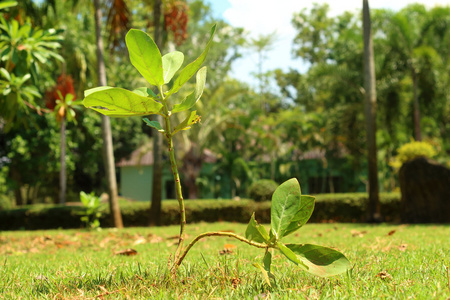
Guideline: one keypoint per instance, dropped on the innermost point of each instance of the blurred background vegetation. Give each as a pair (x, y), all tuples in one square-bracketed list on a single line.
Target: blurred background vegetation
[(308, 125)]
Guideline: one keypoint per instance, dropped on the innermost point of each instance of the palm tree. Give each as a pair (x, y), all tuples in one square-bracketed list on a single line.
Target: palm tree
[(370, 112), (108, 154), (155, 206)]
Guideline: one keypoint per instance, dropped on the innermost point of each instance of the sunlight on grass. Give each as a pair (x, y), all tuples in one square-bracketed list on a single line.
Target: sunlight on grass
[(393, 262)]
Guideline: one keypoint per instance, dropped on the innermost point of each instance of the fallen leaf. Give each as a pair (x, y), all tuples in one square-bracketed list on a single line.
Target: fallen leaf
[(225, 251), (358, 233), (140, 241), (402, 247), (391, 232), (41, 277), (173, 237), (229, 246), (127, 252), (384, 275), (235, 282)]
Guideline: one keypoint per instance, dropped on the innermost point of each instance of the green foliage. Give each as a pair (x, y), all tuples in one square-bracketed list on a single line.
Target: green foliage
[(411, 151), (91, 214), (289, 212), (262, 190), (330, 208), (25, 51)]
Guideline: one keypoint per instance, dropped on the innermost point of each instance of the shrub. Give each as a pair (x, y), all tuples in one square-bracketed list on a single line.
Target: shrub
[(411, 151), (262, 190), (329, 208)]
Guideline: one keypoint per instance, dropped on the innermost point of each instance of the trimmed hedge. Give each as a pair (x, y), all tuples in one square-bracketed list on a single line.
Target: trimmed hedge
[(329, 208)]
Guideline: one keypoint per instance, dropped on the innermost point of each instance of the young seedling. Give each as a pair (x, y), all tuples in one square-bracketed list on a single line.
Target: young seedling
[(290, 210)]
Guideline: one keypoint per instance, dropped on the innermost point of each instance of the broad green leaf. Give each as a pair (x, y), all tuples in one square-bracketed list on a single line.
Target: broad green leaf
[(5, 74), (290, 255), (171, 63), (190, 100), (7, 4), (154, 124), (302, 216), (256, 232), (267, 261), (321, 261), (117, 102), (186, 124), (191, 68), (264, 272), (145, 92), (285, 204), (145, 56), (97, 89)]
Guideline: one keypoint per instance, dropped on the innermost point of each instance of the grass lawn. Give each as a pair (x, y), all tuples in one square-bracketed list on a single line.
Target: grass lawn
[(390, 262)]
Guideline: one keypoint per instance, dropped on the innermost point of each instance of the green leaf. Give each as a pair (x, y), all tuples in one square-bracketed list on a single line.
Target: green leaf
[(302, 216), (5, 74), (97, 89), (267, 261), (145, 56), (186, 124), (256, 232), (290, 255), (117, 102), (145, 92), (264, 273), (171, 63), (7, 4), (154, 124), (191, 68), (190, 100), (285, 204), (321, 261)]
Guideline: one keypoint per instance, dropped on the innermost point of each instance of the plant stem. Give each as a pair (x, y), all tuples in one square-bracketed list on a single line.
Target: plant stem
[(176, 176), (216, 233)]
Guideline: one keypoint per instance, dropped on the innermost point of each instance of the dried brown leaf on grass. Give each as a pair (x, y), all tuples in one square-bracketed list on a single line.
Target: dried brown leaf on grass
[(392, 232), (127, 252), (384, 275), (402, 247), (356, 233)]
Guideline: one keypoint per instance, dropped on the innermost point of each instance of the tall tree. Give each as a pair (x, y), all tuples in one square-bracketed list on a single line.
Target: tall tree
[(262, 44), (155, 205), (370, 113), (108, 154)]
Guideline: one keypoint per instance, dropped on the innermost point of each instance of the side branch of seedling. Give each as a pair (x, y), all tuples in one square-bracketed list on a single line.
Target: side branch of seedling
[(290, 210)]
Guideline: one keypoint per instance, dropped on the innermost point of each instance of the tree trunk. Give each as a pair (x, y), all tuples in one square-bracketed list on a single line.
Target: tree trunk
[(417, 131), (374, 214), (108, 154), (15, 176), (155, 206), (62, 171)]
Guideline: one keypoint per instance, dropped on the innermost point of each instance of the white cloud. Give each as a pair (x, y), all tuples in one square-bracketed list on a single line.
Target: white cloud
[(266, 16)]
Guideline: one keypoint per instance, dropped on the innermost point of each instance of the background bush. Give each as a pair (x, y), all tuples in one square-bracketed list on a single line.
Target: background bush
[(329, 208), (411, 151), (262, 190)]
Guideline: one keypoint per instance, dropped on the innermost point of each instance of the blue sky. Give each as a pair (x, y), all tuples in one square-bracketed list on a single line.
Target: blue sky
[(253, 16)]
